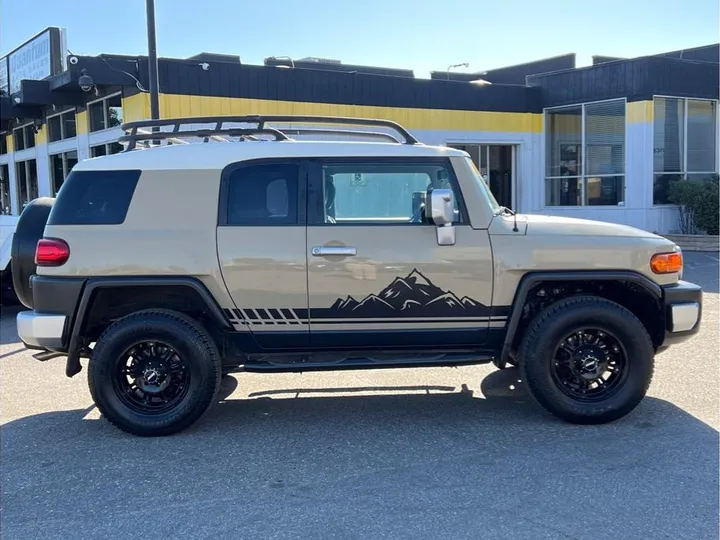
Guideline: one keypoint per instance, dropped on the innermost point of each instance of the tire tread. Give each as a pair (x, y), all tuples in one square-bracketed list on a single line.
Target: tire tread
[(530, 346), (169, 424)]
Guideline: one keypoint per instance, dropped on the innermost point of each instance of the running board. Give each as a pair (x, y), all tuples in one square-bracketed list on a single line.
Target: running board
[(365, 360), (47, 355)]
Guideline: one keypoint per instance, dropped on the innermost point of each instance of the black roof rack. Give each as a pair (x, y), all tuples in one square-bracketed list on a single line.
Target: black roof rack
[(151, 130)]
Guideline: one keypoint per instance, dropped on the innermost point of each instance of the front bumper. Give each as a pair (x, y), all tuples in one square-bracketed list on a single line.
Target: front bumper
[(683, 311)]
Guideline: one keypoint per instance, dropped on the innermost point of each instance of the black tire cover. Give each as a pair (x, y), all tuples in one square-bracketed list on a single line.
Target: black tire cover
[(30, 228)]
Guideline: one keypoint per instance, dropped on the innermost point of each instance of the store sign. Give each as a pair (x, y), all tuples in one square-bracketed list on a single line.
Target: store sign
[(32, 61), (4, 87)]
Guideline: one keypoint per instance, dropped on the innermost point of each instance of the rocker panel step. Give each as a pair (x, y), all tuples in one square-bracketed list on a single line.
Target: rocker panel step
[(364, 360)]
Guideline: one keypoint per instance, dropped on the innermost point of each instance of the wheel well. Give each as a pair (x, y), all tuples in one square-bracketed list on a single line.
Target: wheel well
[(638, 300), (109, 304)]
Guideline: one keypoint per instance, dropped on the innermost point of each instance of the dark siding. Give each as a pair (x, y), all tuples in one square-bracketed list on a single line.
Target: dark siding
[(605, 81), (708, 53), (344, 68), (512, 74), (685, 79), (600, 59), (638, 79), (303, 85)]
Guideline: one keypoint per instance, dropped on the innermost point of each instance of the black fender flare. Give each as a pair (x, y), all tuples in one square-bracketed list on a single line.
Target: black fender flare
[(73, 366), (531, 279)]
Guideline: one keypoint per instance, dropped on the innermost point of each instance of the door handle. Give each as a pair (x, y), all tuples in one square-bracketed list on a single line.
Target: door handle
[(324, 251)]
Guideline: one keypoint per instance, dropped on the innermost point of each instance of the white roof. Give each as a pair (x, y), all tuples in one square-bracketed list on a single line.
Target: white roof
[(217, 155)]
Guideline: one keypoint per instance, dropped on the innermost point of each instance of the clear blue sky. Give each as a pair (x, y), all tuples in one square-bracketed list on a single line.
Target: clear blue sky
[(422, 35)]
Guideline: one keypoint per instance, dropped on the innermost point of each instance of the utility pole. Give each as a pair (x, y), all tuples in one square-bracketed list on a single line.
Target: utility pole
[(152, 62)]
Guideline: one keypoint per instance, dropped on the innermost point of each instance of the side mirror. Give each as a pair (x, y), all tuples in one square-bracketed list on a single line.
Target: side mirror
[(441, 211)]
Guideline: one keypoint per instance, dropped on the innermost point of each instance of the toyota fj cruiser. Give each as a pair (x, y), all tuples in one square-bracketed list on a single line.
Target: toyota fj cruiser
[(173, 263)]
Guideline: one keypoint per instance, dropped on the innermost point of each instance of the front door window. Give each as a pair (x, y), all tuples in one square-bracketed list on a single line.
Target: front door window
[(380, 193)]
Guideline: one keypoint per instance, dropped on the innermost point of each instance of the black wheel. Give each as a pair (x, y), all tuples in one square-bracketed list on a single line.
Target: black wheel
[(587, 360), (154, 372)]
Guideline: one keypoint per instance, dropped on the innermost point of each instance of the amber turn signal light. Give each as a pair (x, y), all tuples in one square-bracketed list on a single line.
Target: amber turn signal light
[(666, 263)]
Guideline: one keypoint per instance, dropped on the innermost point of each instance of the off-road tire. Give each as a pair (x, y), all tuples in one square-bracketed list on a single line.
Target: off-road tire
[(547, 330), (194, 345)]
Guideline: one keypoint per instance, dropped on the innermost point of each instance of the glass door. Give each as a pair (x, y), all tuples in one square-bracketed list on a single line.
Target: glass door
[(496, 162)]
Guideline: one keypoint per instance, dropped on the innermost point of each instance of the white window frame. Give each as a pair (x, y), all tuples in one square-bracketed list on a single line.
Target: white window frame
[(64, 166), (684, 172), (582, 176), (105, 144), (25, 163), (25, 146), (62, 126), (9, 191), (105, 113)]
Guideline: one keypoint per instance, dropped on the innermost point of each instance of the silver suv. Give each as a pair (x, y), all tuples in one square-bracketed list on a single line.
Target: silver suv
[(175, 262)]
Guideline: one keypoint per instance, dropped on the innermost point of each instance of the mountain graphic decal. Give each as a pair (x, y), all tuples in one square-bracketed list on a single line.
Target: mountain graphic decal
[(411, 296)]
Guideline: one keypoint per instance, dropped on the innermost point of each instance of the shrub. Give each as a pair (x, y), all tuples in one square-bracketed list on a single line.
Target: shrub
[(698, 201)]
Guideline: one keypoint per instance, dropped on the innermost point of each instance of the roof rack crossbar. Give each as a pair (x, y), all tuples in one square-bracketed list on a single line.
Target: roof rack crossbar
[(313, 131), (261, 129), (133, 138)]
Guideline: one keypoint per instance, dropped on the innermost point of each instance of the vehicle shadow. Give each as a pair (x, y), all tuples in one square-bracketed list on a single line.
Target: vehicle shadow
[(8, 330), (428, 461)]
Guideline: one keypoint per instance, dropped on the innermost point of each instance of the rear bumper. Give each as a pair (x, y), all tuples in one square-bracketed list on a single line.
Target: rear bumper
[(683, 312), (55, 302), (41, 330)]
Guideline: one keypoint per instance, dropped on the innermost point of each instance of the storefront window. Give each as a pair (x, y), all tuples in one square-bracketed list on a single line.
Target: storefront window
[(61, 165), (24, 137), (685, 143), (5, 208), (585, 154), (105, 149), (62, 126), (26, 179), (3, 144), (106, 113)]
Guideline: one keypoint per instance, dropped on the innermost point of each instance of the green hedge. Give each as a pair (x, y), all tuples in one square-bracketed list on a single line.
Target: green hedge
[(699, 202)]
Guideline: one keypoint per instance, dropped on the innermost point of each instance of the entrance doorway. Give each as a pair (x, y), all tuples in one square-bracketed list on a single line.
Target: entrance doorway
[(497, 164)]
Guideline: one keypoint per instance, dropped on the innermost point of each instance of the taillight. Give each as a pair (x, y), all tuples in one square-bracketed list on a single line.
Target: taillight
[(51, 252), (667, 263)]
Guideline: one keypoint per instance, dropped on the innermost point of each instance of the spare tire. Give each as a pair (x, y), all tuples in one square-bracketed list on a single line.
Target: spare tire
[(30, 228)]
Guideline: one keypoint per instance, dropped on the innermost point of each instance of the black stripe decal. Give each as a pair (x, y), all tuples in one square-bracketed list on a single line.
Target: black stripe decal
[(395, 321)]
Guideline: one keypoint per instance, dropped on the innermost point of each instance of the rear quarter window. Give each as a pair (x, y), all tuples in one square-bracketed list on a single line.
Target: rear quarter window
[(94, 198)]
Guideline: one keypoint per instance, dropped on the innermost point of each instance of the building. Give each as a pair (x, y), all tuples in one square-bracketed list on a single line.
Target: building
[(601, 142)]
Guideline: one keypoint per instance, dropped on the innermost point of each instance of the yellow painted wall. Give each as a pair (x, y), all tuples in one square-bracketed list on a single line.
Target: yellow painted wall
[(81, 122), (640, 111), (173, 106), (41, 136)]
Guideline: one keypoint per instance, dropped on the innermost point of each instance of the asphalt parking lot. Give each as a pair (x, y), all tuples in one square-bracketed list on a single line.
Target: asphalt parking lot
[(426, 453)]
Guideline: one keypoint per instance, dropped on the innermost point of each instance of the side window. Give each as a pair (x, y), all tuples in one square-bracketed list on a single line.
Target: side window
[(263, 195), (381, 193), (94, 198)]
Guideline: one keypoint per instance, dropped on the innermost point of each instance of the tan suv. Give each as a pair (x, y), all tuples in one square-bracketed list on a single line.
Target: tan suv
[(174, 262)]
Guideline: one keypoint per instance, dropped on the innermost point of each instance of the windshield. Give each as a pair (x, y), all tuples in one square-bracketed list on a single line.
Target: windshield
[(484, 188)]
